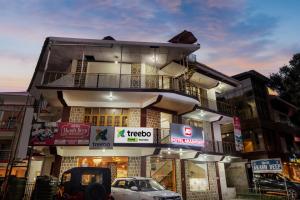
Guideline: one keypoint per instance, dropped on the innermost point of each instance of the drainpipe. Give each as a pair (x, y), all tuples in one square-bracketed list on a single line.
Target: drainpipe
[(46, 64)]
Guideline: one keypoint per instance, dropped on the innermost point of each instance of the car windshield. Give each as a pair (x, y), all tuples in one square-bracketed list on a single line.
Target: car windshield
[(149, 185)]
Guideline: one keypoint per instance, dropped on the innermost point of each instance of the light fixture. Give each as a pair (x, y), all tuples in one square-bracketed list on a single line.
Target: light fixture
[(202, 113), (97, 161), (116, 59), (169, 152), (110, 96), (180, 149), (103, 150), (169, 149)]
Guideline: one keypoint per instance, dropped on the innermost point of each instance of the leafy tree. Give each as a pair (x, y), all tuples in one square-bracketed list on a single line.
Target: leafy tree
[(287, 83)]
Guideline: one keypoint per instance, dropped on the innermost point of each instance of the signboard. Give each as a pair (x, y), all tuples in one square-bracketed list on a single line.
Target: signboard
[(101, 137), (187, 135), (45, 134), (296, 139), (267, 166), (133, 135), (237, 134)]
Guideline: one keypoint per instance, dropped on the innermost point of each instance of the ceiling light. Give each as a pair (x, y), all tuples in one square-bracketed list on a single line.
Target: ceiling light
[(116, 62), (103, 150), (110, 96)]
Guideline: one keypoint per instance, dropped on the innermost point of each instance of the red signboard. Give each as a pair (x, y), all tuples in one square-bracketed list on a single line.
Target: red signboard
[(62, 135)]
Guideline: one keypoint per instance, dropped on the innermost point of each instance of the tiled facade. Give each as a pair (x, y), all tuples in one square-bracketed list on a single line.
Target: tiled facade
[(153, 121), (134, 166), (77, 115), (68, 163), (212, 194), (134, 117)]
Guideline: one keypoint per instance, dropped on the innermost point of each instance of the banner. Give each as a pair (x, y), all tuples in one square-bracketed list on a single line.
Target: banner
[(46, 134), (239, 146), (266, 166), (133, 135), (186, 135), (43, 134), (102, 137)]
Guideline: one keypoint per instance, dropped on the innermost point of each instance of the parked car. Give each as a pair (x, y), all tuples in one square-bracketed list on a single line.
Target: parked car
[(276, 183), (85, 183), (139, 188)]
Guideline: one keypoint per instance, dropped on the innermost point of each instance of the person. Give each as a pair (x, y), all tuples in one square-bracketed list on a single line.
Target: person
[(96, 191)]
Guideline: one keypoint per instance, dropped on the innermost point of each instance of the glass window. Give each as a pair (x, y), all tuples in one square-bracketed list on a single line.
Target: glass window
[(102, 121), (149, 185), (86, 119), (109, 121), (117, 121), (120, 184), (66, 177), (94, 120), (88, 178), (198, 177)]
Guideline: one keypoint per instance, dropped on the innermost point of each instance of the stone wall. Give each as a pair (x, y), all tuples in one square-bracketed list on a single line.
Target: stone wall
[(208, 136), (134, 166), (134, 117), (68, 163), (77, 115), (236, 176), (153, 121), (212, 194), (178, 176)]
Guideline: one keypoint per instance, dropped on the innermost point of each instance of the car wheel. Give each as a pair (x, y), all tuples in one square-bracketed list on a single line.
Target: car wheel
[(292, 194)]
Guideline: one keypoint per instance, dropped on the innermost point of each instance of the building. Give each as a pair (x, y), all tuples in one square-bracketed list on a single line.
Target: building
[(160, 102), (13, 112), (266, 128)]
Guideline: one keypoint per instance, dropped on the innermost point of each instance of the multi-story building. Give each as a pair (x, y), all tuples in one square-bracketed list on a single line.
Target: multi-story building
[(266, 128), (13, 107), (156, 92)]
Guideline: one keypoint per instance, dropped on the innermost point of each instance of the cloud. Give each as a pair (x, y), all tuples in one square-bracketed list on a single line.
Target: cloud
[(234, 37)]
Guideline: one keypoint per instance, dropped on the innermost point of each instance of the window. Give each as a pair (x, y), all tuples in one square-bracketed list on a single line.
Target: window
[(106, 116), (121, 184), (66, 177), (88, 178)]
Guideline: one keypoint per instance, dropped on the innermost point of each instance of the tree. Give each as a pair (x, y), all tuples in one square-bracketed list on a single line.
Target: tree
[(287, 81), (287, 84)]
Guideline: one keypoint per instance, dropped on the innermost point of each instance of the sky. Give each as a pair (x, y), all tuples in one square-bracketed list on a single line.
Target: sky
[(235, 35)]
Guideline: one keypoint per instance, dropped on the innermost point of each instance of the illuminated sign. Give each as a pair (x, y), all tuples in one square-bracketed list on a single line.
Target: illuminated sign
[(133, 135), (187, 135), (101, 137), (266, 166)]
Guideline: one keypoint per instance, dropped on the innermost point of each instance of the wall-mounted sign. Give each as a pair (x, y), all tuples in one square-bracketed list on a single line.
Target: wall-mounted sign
[(296, 139), (239, 146), (133, 135), (186, 135), (62, 133), (102, 137), (72, 134), (43, 134), (267, 166)]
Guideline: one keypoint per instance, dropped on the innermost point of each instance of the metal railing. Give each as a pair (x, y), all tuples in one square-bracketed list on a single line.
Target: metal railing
[(130, 81), (28, 190), (8, 125)]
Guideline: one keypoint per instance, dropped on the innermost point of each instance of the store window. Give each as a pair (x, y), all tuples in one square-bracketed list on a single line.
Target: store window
[(119, 164), (198, 176), (106, 116), (88, 178)]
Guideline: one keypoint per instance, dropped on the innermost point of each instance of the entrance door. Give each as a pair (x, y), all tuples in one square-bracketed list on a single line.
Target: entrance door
[(163, 171)]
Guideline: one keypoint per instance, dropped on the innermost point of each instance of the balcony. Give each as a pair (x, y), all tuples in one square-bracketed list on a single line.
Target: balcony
[(135, 82), (8, 125)]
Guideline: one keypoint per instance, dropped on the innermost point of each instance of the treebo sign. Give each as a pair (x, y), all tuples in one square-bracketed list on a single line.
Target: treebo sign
[(133, 135)]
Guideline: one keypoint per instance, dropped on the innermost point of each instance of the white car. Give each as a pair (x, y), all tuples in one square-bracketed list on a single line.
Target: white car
[(139, 188)]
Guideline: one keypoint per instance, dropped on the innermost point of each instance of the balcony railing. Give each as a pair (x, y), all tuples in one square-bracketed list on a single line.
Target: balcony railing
[(130, 81), (8, 125)]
